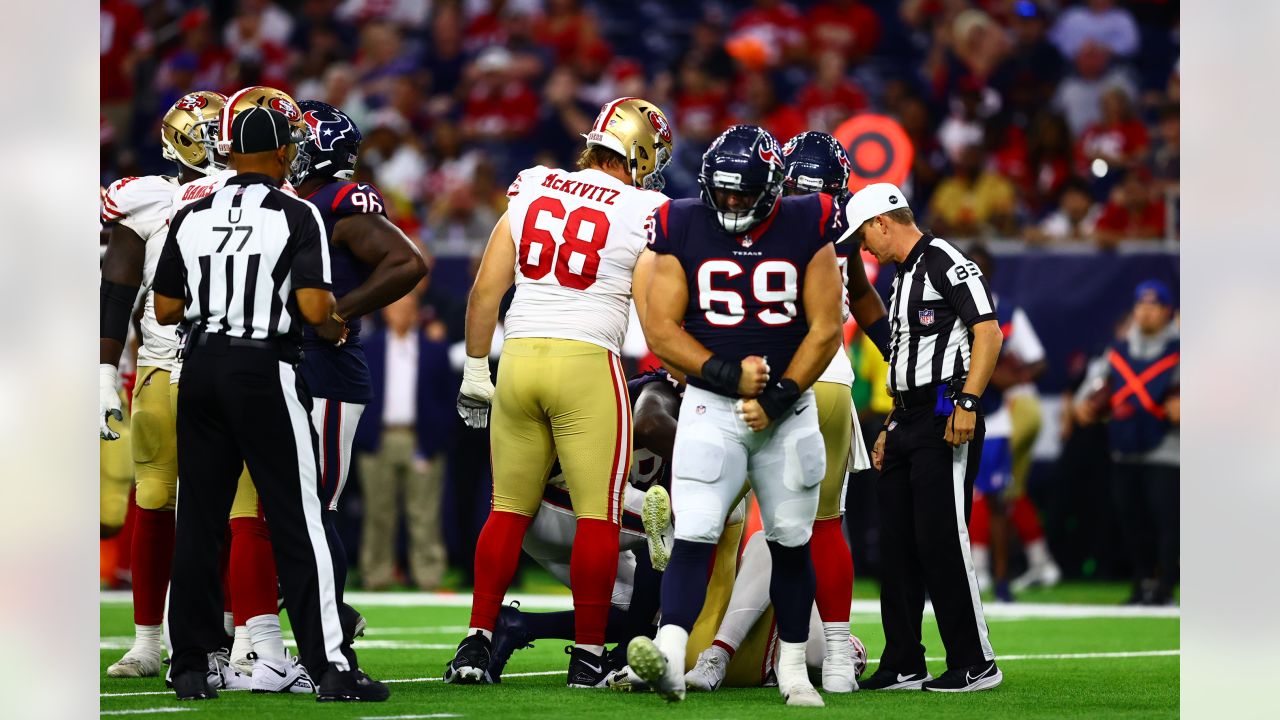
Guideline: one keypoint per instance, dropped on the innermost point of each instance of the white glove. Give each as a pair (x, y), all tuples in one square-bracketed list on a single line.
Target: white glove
[(108, 400), (476, 394)]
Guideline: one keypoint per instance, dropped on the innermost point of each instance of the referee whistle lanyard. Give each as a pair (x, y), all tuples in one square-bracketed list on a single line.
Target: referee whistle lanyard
[(1136, 384)]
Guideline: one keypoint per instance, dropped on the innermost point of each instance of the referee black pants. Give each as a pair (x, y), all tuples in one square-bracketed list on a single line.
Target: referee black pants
[(245, 405), (926, 493)]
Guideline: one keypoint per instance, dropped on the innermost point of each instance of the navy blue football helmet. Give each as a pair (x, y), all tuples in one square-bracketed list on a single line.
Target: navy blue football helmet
[(816, 162), (744, 159), (331, 146)]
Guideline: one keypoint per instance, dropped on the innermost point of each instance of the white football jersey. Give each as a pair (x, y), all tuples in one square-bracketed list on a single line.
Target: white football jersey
[(142, 205), (578, 236), (840, 369)]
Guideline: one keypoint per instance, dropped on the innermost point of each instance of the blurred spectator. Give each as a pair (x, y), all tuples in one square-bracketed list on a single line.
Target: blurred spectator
[(1135, 211), (1028, 77), (498, 107), (1097, 21), (973, 201), (257, 22), (701, 104), (400, 446), (1119, 138), (197, 46), (563, 27), (1006, 146), (1050, 160), (845, 26), (409, 14), (929, 159), (767, 34), (486, 27), (467, 214), (964, 126), (450, 165), (1079, 95), (564, 116), (124, 40), (706, 51), (966, 51), (338, 88), (760, 106), (1075, 219), (382, 59), (392, 154), (1165, 160), (830, 98)]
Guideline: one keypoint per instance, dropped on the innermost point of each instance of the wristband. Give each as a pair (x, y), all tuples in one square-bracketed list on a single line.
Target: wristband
[(721, 375), (973, 402), (115, 309), (779, 397), (878, 332)]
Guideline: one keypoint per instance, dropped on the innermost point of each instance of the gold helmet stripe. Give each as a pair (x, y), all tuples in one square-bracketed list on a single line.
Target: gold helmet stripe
[(607, 113)]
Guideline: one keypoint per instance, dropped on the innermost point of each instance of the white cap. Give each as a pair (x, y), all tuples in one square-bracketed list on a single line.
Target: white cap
[(872, 200)]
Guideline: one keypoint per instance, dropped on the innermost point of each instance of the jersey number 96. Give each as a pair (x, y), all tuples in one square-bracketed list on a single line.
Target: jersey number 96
[(539, 251)]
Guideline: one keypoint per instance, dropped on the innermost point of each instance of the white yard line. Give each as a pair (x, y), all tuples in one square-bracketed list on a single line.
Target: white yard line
[(147, 711), (409, 717), (999, 658), (1010, 611)]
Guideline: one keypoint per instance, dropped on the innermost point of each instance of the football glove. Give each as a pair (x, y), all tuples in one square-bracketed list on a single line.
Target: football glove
[(476, 394), (108, 400)]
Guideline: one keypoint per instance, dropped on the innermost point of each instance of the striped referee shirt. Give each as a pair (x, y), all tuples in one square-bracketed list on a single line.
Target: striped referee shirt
[(938, 294), (237, 255)]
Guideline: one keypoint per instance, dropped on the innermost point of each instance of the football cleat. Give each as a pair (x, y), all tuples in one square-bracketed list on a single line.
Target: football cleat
[(886, 679), (801, 695), (286, 675), (140, 661), (586, 669), (353, 623), (471, 663), (509, 635), (793, 677), (708, 673), (243, 663), (651, 665), (626, 680), (1045, 575), (193, 685), (351, 686), (655, 513), (983, 676), (838, 673)]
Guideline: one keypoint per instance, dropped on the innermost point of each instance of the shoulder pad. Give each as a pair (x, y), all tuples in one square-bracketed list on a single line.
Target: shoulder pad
[(528, 177), (131, 196)]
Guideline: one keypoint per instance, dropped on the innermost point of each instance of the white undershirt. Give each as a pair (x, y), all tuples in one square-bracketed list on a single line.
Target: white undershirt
[(402, 379)]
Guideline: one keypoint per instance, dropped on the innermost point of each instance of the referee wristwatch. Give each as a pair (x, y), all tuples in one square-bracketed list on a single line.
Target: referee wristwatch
[(968, 401)]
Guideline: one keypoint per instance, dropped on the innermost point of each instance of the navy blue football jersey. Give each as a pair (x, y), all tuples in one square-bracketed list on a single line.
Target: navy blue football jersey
[(745, 293), (341, 373)]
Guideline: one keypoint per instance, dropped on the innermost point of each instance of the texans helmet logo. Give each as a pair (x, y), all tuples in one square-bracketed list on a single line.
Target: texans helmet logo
[(328, 128), (768, 155), (192, 102), (660, 124), (284, 107), (790, 147)]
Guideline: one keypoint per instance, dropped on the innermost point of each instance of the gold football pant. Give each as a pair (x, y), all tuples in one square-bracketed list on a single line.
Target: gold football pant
[(155, 439), (115, 473), (1024, 413), (565, 399), (835, 421)]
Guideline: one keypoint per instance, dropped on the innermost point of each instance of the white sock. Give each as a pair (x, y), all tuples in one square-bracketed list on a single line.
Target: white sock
[(243, 645), (673, 641), (838, 638), (791, 665), (720, 652), (228, 623), (596, 650), (981, 559), (480, 631), (1038, 553), (147, 637), (267, 639)]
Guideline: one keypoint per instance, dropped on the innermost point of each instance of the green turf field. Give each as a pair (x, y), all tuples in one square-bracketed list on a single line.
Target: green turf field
[(1054, 667)]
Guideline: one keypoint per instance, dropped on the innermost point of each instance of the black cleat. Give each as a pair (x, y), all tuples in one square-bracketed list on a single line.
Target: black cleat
[(886, 679), (471, 663), (193, 685), (353, 623), (586, 669), (350, 686), (509, 635), (983, 676)]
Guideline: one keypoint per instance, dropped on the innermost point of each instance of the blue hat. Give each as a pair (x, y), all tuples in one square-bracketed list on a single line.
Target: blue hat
[(1153, 291)]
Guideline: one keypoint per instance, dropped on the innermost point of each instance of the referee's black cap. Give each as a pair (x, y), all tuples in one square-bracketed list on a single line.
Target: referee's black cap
[(260, 129)]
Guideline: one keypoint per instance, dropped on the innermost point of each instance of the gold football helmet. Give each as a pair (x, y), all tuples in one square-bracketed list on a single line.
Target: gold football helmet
[(189, 131), (260, 96), (637, 130)]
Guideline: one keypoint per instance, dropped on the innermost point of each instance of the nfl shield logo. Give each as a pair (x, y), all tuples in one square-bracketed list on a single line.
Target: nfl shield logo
[(701, 409), (926, 316)]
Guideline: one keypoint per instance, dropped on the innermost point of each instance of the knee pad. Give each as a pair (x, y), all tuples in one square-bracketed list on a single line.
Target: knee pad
[(156, 490), (790, 524)]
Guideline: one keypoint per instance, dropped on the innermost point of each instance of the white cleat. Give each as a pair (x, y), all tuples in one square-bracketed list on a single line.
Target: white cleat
[(708, 673), (655, 513), (243, 664), (141, 661), (802, 695), (281, 676), (626, 680), (838, 674), (1045, 575), (651, 665)]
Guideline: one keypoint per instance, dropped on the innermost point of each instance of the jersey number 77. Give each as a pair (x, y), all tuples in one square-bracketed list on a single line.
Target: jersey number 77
[(576, 257)]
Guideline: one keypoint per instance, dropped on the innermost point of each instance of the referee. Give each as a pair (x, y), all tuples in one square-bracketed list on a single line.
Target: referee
[(252, 263), (943, 347)]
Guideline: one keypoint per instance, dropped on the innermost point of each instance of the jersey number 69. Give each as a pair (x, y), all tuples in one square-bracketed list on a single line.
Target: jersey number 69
[(764, 282)]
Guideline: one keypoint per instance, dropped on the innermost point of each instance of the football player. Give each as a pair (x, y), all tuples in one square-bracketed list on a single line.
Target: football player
[(816, 162), (138, 209), (569, 241), (745, 300)]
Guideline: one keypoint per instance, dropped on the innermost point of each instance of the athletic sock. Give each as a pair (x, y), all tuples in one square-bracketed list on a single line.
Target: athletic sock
[(242, 645), (791, 666), (597, 650), (497, 555), (981, 559), (1038, 553), (152, 554), (1024, 517), (684, 584), (791, 589), (673, 641), (724, 647), (267, 639), (549, 625), (252, 570), (980, 522), (593, 567), (488, 634), (837, 638), (148, 637), (834, 585)]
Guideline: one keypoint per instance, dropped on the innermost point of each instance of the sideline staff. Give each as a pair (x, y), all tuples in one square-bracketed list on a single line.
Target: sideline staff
[(944, 342), (252, 263)]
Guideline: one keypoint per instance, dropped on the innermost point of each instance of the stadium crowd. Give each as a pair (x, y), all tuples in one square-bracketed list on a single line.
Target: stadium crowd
[(1041, 119), (1052, 122)]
